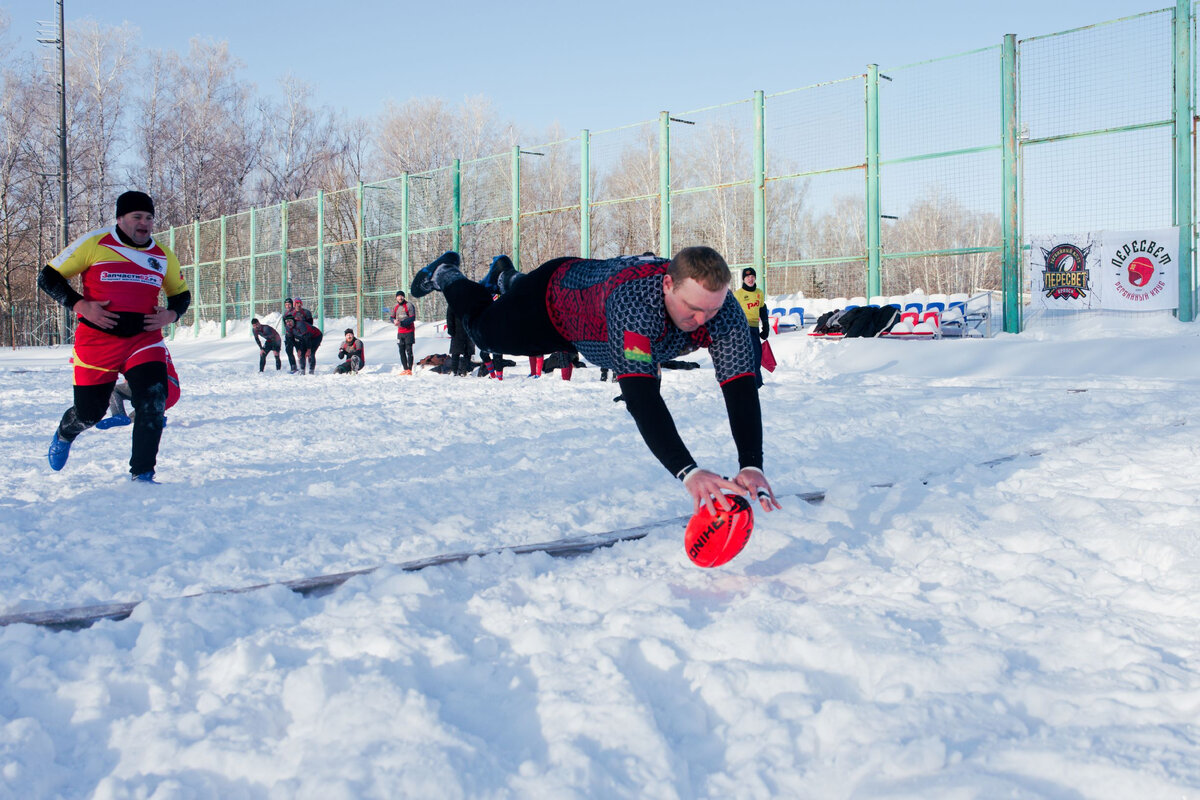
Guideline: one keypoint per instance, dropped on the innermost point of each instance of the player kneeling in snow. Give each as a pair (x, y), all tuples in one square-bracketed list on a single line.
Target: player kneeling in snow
[(353, 352)]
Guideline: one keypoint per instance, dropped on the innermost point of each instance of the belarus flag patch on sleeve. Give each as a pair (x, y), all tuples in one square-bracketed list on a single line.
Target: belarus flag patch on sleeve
[(637, 347)]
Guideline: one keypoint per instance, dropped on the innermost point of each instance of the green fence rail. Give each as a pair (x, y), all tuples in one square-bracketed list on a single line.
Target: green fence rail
[(923, 176)]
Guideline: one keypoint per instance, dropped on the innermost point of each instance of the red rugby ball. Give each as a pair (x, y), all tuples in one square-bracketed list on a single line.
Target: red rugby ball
[(712, 540)]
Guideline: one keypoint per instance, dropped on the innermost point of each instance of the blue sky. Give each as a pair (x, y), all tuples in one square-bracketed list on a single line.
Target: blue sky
[(579, 65)]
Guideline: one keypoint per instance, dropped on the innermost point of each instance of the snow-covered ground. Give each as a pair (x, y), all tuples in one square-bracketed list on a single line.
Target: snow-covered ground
[(1015, 614)]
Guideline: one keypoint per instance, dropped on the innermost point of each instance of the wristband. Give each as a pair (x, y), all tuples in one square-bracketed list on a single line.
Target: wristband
[(688, 470)]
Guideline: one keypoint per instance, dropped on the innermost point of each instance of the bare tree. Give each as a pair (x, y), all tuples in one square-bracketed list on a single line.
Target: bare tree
[(629, 225), (301, 145), (28, 204), (198, 134), (938, 221), (549, 200), (427, 134), (99, 73)]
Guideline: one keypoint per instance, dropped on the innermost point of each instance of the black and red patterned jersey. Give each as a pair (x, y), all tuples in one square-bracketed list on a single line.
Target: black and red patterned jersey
[(351, 349), (613, 312), (269, 336)]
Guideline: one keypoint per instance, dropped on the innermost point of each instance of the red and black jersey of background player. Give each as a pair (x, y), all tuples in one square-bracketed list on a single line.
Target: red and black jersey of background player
[(269, 335), (306, 334), (613, 312)]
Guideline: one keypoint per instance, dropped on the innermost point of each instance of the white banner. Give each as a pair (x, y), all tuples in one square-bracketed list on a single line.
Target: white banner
[(1140, 270), (1065, 272)]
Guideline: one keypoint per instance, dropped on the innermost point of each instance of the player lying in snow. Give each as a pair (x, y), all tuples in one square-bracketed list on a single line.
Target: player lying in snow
[(629, 315)]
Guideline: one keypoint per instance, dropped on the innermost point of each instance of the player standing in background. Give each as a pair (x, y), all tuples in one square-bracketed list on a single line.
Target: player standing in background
[(404, 316), (752, 300), (268, 342)]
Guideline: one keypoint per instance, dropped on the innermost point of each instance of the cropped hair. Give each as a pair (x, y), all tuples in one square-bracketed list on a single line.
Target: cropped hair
[(702, 264)]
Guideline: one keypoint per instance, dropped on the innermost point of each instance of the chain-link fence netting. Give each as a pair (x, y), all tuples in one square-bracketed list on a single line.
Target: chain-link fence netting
[(1097, 141), (815, 142), (790, 192)]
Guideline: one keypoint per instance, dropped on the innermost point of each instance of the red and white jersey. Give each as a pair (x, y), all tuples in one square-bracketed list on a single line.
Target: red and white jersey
[(129, 277)]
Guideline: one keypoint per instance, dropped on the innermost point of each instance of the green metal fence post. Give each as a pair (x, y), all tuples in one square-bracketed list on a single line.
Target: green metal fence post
[(516, 207), (874, 232), (404, 231), (196, 270), (321, 259), (283, 251), (456, 215), (664, 184), (253, 264), (760, 192), (1183, 158), (585, 194), (360, 253), (1010, 219), (171, 244), (224, 277)]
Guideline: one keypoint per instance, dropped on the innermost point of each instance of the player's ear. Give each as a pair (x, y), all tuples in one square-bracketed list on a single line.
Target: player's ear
[(668, 284)]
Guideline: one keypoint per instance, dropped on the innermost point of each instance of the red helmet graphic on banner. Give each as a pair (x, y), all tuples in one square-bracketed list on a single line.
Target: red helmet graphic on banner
[(1141, 270)]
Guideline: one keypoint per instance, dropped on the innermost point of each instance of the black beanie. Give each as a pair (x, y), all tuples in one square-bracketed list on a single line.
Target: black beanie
[(749, 271), (134, 201)]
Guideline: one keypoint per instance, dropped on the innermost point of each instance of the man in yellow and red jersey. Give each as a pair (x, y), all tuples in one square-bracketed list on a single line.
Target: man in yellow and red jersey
[(751, 299), (120, 326)]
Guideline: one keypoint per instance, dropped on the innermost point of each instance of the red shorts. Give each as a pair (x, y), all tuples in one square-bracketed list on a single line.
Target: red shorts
[(172, 381), (100, 357)]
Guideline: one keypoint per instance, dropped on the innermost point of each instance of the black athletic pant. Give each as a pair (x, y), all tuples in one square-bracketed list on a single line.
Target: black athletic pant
[(352, 364), (262, 357), (404, 341), (516, 322), (289, 343), (757, 347), (313, 344), (148, 385)]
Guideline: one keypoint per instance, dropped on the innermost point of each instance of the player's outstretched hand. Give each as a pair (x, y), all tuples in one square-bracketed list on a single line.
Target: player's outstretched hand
[(752, 480), (704, 486)]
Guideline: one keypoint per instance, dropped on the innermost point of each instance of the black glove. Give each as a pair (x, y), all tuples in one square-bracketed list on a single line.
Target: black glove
[(765, 332)]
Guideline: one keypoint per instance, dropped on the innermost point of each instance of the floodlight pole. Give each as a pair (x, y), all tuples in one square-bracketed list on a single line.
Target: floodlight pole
[(62, 124), (64, 230)]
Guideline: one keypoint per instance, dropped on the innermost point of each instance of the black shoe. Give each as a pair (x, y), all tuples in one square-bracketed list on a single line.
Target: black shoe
[(437, 275), (500, 265)]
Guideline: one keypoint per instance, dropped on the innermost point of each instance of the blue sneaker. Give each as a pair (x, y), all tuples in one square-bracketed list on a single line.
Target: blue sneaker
[(60, 450), (145, 477), (114, 421), (496, 280), (437, 275)]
